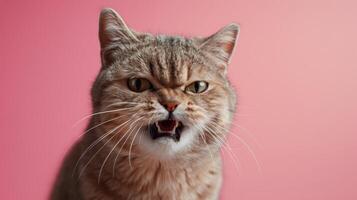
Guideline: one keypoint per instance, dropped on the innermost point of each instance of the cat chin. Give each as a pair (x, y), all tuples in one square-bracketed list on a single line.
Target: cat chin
[(165, 147)]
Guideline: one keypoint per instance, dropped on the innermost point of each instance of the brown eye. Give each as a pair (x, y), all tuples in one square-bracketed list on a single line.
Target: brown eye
[(138, 84), (197, 87)]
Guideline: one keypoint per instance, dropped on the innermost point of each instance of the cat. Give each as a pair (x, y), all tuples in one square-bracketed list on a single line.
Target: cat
[(162, 107)]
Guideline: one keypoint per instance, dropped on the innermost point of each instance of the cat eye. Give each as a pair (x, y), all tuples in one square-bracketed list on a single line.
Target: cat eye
[(139, 84), (197, 87)]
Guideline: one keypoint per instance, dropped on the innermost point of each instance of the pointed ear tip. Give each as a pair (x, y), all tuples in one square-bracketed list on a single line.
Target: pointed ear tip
[(233, 26), (108, 11)]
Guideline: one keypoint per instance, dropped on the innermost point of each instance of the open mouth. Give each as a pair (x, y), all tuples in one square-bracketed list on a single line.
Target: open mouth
[(166, 128)]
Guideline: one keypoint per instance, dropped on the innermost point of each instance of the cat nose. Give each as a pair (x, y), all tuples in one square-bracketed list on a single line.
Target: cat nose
[(169, 106)]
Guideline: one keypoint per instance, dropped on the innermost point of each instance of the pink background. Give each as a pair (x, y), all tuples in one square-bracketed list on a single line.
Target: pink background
[(295, 69)]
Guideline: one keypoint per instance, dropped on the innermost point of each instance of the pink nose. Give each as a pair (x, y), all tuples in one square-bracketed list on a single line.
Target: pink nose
[(170, 106)]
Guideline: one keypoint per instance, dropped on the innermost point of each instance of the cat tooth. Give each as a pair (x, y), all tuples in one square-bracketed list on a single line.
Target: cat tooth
[(157, 126), (176, 125)]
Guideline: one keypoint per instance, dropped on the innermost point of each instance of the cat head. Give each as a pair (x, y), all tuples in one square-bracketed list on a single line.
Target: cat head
[(163, 95)]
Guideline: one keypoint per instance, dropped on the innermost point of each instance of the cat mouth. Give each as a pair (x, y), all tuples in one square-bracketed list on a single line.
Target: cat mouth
[(166, 128)]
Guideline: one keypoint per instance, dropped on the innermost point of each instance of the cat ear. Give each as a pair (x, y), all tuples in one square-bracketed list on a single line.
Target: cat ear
[(221, 45), (113, 33)]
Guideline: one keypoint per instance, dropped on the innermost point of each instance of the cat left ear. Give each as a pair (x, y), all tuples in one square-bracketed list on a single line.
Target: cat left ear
[(113, 33), (220, 45), (112, 28)]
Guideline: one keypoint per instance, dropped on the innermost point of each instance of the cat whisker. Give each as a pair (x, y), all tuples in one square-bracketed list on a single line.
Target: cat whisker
[(241, 140), (248, 133), (203, 137), (118, 153), (225, 145), (148, 127), (116, 144), (102, 112), (98, 125), (123, 103), (97, 141), (91, 146), (250, 150), (227, 148), (234, 158), (223, 140), (131, 145)]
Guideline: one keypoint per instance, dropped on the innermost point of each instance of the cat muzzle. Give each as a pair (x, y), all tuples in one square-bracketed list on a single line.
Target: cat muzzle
[(166, 128)]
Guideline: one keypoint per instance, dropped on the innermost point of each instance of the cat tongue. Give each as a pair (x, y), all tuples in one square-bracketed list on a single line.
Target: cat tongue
[(167, 125)]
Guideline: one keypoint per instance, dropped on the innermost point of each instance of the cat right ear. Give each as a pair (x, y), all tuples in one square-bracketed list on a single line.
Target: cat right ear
[(113, 34), (220, 45)]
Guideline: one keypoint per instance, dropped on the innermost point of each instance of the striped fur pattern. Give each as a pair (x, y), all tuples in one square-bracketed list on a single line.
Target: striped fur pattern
[(116, 158)]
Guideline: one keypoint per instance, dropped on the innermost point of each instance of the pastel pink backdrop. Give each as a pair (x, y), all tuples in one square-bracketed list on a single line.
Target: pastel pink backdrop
[(294, 69)]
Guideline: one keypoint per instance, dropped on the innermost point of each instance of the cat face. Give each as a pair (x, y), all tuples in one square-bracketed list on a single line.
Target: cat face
[(162, 95)]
